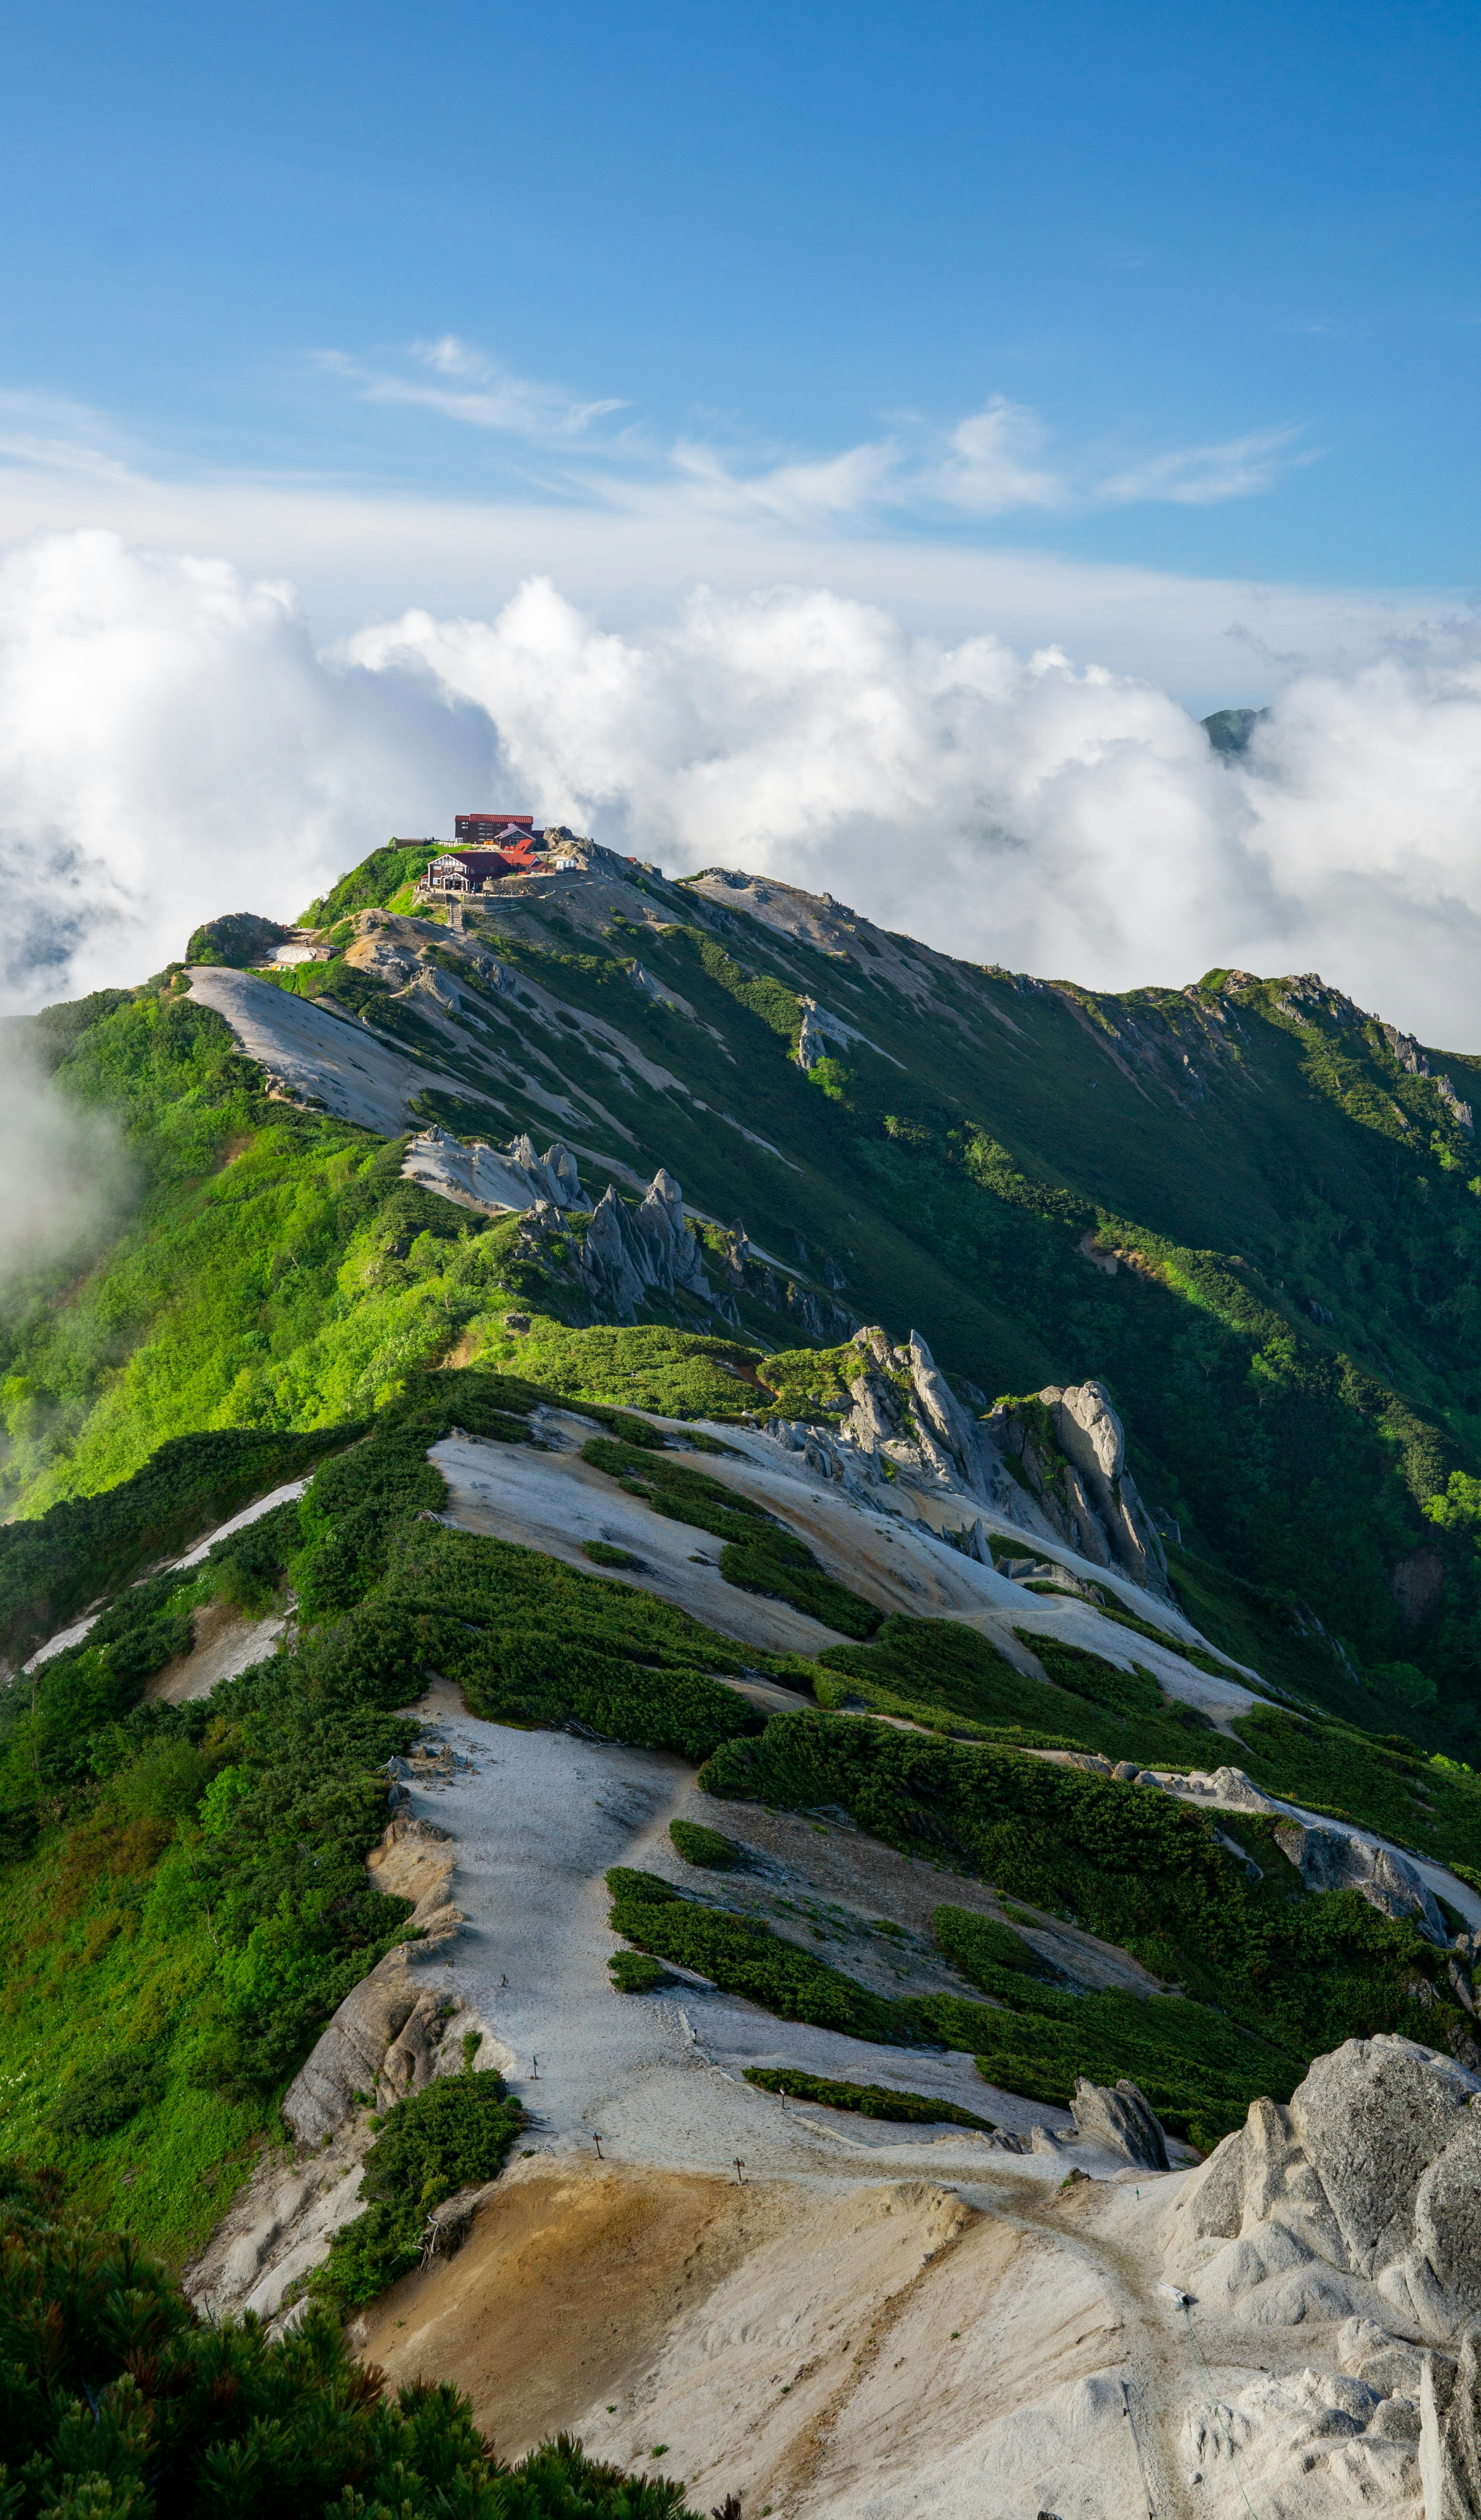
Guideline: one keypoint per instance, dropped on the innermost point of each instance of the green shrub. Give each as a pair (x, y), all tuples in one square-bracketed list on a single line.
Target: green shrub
[(705, 1845), (951, 1679), (100, 2101), (1298, 1971), (979, 1943), (51, 1568), (455, 2134), (118, 2405), (759, 1554), (602, 1554), (239, 939), (748, 1959), (866, 2100), (635, 1973)]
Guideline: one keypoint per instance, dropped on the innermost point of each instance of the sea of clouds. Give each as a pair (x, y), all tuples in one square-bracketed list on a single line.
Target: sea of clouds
[(172, 744)]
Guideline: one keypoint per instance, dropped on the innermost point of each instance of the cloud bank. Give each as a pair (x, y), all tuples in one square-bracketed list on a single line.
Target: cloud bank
[(172, 745), (66, 1172)]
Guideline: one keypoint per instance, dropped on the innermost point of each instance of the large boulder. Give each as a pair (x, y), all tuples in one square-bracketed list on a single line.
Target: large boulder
[(1449, 2431), (1062, 1453), (1360, 2199), (1120, 2120), (385, 2038)]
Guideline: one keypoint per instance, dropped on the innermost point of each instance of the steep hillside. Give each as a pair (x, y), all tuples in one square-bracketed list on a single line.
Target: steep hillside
[(681, 1809), (422, 1896), (1246, 1209)]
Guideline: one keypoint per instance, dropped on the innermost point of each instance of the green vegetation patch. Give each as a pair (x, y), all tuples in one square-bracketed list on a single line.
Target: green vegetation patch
[(189, 1883), (635, 1972), (708, 1847), (748, 1959), (865, 2099), (119, 2404), (374, 883), (951, 1679), (602, 1554), (456, 2133), (1198, 2071), (978, 1943), (810, 1381), (759, 1555), (239, 939), (1297, 1971), (676, 1374), (57, 1565)]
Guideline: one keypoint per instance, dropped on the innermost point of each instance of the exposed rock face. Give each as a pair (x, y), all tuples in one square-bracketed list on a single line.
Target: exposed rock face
[(822, 1034), (947, 1434), (508, 1180), (1329, 1859), (1411, 1058), (1120, 2121), (853, 1469), (386, 2037), (1449, 2431), (628, 1251), (1363, 2196), (1069, 1449)]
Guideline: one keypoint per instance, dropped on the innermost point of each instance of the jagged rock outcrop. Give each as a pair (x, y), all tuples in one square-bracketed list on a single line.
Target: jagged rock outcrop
[(1331, 1858), (1364, 2195), (852, 1469), (508, 1180), (1120, 2120), (1068, 1448), (822, 1034), (1411, 1058), (628, 1251)]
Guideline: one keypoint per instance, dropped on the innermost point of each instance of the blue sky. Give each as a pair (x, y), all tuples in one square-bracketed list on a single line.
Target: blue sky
[(718, 292)]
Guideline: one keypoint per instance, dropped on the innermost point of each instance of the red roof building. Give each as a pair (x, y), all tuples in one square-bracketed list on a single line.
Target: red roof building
[(487, 830)]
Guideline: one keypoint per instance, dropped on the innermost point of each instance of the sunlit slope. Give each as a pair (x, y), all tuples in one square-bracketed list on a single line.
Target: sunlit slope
[(1244, 1206)]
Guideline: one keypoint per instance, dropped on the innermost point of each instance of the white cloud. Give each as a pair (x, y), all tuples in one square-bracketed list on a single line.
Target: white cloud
[(1064, 820), (1201, 476), (170, 748), (475, 392), (172, 745), (981, 467), (985, 472)]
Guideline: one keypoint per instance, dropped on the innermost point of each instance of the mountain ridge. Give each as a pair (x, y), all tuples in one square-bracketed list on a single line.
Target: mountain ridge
[(1222, 1201)]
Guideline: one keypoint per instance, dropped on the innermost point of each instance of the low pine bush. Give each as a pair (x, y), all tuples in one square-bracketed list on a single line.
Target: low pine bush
[(980, 1944), (759, 1554), (635, 1973), (118, 2406), (100, 2101), (455, 2134), (748, 1958), (865, 2099), (708, 1847), (1290, 1970)]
